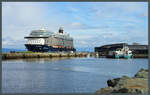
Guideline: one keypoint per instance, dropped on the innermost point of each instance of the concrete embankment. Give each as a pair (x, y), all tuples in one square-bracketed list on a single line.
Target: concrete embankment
[(40, 55), (133, 56), (137, 84), (140, 56)]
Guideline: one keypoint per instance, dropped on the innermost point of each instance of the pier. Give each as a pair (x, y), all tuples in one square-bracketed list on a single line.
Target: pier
[(41, 55)]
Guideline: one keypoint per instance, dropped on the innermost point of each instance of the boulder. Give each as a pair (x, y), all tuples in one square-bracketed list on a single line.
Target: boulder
[(105, 90), (142, 74), (113, 82), (137, 84)]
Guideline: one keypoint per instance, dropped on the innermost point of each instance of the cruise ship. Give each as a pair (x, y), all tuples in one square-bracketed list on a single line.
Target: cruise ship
[(43, 40)]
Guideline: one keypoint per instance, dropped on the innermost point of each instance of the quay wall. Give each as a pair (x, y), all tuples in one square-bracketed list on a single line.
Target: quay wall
[(140, 56), (40, 55)]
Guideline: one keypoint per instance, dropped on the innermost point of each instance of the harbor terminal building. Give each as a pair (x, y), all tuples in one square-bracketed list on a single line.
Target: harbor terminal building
[(135, 48)]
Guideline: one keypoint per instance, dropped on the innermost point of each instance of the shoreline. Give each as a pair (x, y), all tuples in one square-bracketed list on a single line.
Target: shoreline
[(138, 84), (23, 55)]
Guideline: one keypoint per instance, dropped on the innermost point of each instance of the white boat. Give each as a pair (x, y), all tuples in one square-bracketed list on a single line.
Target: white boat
[(123, 53)]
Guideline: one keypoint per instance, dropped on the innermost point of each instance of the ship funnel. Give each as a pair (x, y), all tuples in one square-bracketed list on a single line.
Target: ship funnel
[(60, 30)]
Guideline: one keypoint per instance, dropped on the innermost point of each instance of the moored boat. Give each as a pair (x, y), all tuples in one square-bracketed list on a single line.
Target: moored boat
[(120, 53), (123, 53)]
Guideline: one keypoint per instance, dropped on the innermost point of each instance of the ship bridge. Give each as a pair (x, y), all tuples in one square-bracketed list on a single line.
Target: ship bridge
[(40, 33)]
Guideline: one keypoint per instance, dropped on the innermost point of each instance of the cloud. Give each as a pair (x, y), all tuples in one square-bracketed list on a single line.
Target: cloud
[(8, 42), (72, 9), (18, 18), (21, 18), (120, 11), (77, 25), (90, 24)]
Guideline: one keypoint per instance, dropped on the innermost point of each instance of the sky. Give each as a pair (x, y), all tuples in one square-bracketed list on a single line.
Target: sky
[(91, 24)]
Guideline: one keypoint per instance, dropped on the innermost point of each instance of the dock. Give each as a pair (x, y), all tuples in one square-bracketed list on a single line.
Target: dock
[(40, 55)]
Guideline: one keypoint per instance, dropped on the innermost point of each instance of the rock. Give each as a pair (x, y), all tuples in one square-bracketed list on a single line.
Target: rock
[(113, 83), (142, 74), (105, 90), (125, 77), (122, 90), (128, 90), (137, 84), (116, 81)]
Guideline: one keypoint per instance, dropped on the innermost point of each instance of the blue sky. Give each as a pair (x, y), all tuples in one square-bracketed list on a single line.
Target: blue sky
[(91, 24)]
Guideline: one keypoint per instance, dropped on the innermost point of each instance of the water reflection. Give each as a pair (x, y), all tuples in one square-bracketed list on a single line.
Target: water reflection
[(65, 75), (43, 60), (37, 60)]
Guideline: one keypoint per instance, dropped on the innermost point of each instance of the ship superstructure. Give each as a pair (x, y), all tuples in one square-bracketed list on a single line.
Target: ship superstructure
[(46, 41)]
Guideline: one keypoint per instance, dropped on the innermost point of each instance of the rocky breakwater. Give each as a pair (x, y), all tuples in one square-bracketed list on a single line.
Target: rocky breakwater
[(137, 84)]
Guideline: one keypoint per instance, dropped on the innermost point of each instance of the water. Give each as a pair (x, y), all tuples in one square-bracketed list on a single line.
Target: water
[(65, 75)]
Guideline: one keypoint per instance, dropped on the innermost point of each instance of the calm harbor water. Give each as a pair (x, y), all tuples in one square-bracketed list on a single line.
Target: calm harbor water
[(65, 75)]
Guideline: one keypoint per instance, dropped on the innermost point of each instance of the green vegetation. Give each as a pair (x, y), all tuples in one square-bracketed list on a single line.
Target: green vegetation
[(24, 52)]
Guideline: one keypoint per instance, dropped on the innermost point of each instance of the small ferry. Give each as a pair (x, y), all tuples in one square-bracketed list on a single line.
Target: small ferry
[(120, 53), (123, 53)]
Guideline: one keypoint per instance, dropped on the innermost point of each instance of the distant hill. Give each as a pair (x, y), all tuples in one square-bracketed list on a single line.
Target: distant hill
[(4, 50)]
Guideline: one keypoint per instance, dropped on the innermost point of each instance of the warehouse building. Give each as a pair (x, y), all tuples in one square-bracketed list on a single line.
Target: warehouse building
[(135, 48)]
